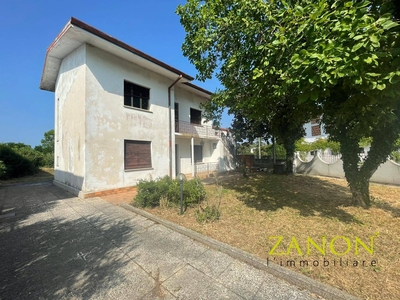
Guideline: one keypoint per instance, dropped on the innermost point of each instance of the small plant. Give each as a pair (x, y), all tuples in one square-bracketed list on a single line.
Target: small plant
[(166, 191), (211, 212), (207, 214)]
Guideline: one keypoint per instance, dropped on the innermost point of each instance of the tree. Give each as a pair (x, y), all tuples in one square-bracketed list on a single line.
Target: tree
[(339, 57), (47, 148), (47, 143)]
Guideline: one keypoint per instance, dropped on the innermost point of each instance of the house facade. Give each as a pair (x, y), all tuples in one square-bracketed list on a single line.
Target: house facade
[(314, 130), (122, 116)]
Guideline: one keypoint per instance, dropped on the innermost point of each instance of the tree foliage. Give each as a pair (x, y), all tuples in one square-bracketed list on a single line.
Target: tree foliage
[(18, 159), (47, 149), (336, 58)]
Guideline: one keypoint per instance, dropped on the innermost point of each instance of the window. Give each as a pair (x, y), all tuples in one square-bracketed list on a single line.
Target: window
[(137, 155), (195, 116), (315, 130), (136, 96)]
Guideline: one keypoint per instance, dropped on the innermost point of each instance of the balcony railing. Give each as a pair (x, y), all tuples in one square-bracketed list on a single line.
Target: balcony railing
[(204, 131)]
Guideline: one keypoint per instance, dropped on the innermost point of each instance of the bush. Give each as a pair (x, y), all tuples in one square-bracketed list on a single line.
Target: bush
[(207, 214), (395, 156), (152, 192), (3, 169), (48, 160), (19, 160)]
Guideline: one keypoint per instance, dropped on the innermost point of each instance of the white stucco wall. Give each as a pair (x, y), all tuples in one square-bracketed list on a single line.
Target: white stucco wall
[(70, 120), (92, 123), (109, 122), (188, 100)]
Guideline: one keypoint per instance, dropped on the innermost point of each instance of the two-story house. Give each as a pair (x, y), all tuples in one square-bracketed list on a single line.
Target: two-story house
[(122, 116)]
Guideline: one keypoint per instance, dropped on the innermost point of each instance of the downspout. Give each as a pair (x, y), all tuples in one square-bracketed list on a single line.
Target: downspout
[(170, 124)]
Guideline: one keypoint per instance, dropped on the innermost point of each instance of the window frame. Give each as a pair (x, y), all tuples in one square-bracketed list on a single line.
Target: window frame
[(132, 96), (192, 121)]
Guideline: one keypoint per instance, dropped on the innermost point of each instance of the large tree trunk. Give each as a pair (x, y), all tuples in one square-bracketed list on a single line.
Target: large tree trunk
[(289, 148), (359, 188), (357, 172), (358, 182)]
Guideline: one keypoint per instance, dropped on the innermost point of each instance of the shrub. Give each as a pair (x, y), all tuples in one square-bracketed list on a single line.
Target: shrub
[(165, 189), (395, 156), (19, 160), (3, 169), (207, 214), (48, 160)]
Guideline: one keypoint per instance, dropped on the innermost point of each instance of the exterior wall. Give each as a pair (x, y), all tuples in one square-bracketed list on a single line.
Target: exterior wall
[(92, 124), (187, 101), (109, 122), (70, 121), (387, 173)]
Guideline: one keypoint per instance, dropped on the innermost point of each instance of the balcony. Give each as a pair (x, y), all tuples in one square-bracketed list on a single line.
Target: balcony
[(196, 130)]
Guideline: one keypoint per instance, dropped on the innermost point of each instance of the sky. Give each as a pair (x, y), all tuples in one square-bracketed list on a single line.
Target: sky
[(27, 28)]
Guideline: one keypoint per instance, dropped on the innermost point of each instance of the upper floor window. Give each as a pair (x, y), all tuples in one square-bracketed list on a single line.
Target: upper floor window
[(195, 116), (136, 96)]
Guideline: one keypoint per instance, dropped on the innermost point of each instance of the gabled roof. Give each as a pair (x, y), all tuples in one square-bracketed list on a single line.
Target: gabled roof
[(76, 32)]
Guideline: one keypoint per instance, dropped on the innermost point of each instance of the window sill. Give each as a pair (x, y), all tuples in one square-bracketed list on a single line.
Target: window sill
[(138, 109), (135, 170)]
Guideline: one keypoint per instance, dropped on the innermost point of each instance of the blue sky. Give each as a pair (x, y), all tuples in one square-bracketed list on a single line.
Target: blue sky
[(27, 28)]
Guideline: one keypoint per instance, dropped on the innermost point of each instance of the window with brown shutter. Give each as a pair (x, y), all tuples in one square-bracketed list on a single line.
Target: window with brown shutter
[(137, 155), (315, 130)]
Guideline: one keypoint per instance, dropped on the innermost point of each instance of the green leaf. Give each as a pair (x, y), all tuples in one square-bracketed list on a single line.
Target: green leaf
[(357, 46), (358, 37), (381, 86), (368, 60), (302, 98), (373, 74), (389, 25)]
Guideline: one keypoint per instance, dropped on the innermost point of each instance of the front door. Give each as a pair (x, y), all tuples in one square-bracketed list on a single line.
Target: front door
[(198, 153)]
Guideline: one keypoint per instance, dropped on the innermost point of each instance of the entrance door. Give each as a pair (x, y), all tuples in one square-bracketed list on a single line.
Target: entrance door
[(198, 153)]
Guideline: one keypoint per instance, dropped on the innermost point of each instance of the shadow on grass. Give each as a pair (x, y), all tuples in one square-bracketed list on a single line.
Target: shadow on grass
[(311, 196)]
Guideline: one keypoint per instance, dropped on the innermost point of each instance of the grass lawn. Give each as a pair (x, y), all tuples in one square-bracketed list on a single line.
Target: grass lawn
[(254, 209), (44, 174)]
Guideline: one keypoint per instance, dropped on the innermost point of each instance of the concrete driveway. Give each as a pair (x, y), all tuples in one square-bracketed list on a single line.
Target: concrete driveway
[(60, 247)]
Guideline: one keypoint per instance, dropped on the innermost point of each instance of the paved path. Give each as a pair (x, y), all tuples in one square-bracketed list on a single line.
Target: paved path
[(61, 247)]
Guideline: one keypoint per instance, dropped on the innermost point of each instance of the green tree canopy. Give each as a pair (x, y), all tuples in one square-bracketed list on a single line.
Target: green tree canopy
[(337, 58)]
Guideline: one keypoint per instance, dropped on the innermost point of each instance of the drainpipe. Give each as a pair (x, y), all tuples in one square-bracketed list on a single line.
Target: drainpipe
[(170, 124)]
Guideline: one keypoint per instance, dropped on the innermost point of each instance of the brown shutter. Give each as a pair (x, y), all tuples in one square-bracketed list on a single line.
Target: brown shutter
[(315, 130), (137, 155)]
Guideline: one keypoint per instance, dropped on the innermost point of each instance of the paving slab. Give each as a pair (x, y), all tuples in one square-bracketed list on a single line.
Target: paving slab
[(61, 247)]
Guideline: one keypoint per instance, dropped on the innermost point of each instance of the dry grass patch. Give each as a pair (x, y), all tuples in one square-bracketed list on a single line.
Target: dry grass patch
[(254, 209)]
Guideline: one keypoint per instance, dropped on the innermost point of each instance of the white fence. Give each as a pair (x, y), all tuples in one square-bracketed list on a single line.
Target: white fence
[(387, 173)]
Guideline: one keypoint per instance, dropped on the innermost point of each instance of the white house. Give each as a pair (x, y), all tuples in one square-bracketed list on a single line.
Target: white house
[(122, 115), (314, 130)]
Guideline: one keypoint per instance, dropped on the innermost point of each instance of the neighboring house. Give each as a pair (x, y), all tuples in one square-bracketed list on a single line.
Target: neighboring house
[(314, 130), (122, 116)]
